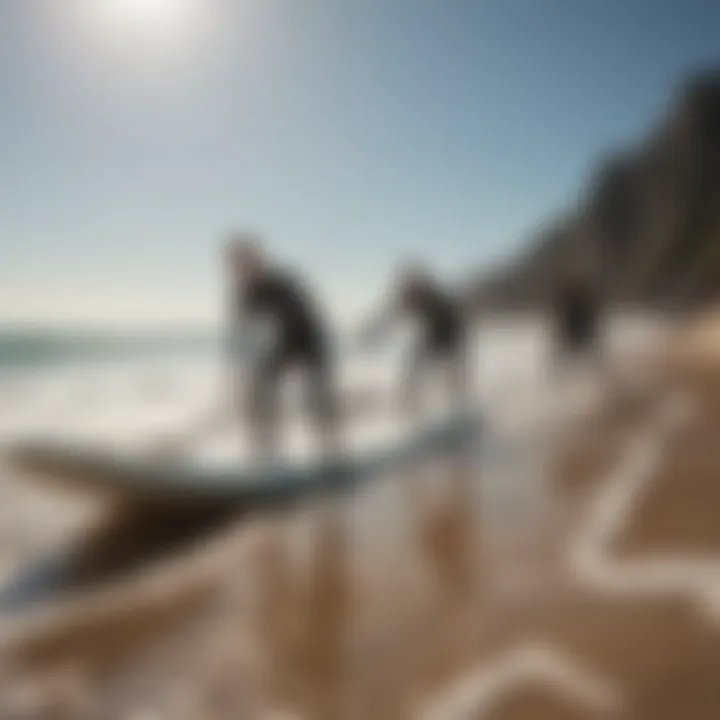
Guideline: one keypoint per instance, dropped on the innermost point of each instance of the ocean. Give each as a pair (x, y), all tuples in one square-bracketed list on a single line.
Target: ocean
[(33, 348)]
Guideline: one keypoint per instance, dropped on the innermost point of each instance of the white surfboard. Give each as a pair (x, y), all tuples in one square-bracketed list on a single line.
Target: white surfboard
[(224, 467)]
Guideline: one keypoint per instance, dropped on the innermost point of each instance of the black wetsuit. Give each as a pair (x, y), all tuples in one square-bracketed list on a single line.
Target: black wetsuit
[(281, 298), (301, 341), (577, 318), (443, 339), (440, 317)]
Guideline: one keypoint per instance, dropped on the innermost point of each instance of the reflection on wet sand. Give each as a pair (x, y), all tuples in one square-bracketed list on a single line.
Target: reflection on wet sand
[(383, 603), (446, 530)]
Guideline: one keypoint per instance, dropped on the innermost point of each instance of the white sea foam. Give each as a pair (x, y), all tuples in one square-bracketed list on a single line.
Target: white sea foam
[(132, 399)]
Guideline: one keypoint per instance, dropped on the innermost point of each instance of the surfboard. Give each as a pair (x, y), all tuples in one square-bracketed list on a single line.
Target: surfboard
[(222, 469)]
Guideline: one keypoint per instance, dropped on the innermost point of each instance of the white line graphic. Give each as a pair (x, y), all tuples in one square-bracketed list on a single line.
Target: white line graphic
[(697, 576), (528, 665)]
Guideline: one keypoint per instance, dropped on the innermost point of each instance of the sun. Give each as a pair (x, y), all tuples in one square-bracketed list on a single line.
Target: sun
[(163, 15)]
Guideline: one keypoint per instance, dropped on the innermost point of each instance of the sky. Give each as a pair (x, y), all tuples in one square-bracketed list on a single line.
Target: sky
[(349, 133)]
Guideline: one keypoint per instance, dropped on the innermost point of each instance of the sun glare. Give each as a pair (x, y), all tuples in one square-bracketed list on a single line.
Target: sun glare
[(163, 15)]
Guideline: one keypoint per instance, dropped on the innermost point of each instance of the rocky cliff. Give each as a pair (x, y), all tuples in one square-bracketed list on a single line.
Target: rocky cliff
[(649, 224)]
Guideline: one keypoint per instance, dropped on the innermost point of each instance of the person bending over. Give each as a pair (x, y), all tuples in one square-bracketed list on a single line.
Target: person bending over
[(278, 300)]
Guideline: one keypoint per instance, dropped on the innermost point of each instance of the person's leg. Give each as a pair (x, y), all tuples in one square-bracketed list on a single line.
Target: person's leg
[(323, 401), (263, 401), (457, 376), (564, 359), (412, 380)]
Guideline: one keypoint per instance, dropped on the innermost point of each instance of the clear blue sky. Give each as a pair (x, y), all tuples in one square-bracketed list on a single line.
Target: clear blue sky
[(347, 131)]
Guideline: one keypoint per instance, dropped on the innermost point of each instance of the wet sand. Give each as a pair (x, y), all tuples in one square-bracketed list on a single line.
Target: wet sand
[(593, 593)]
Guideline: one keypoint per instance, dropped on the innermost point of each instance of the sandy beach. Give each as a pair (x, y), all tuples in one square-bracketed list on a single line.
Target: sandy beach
[(592, 591)]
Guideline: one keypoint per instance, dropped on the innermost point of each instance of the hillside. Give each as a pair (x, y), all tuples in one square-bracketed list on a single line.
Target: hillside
[(650, 219)]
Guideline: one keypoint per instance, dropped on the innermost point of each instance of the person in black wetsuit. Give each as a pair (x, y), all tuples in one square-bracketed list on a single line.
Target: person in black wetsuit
[(299, 340), (442, 334), (577, 316)]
